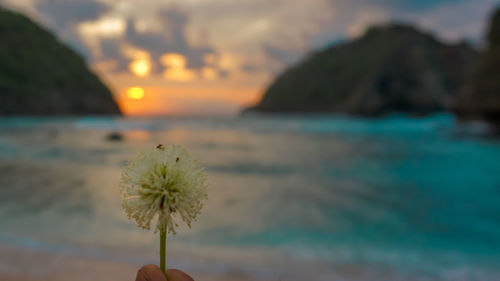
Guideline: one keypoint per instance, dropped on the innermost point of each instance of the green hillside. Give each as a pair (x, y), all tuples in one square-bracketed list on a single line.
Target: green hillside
[(39, 75), (391, 68)]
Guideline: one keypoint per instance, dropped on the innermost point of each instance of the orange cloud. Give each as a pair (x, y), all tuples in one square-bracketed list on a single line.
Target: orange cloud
[(173, 60), (176, 68), (140, 67), (209, 73), (179, 74), (107, 27), (210, 59)]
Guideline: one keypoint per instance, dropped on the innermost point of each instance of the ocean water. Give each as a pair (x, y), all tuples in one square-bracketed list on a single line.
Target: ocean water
[(411, 196)]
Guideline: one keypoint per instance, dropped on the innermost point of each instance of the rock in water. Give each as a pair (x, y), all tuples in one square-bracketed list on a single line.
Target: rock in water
[(40, 76), (390, 68), (115, 136), (483, 101)]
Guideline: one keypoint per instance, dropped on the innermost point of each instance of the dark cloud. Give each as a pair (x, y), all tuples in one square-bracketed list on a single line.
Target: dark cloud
[(110, 50), (170, 39), (281, 54), (174, 23), (64, 16), (251, 67), (223, 73), (70, 12), (76, 43)]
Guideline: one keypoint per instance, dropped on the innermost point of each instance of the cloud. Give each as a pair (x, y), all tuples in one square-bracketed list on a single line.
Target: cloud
[(110, 50), (451, 19), (64, 12), (169, 38), (364, 19), (250, 67), (65, 15), (457, 21), (282, 55), (263, 34)]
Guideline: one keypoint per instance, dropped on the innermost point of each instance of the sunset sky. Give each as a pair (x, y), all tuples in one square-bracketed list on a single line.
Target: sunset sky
[(206, 57)]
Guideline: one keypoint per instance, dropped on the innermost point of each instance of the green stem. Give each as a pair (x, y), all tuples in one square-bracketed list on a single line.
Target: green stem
[(163, 243)]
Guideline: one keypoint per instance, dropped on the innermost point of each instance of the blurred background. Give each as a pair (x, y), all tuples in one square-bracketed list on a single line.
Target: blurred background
[(344, 140)]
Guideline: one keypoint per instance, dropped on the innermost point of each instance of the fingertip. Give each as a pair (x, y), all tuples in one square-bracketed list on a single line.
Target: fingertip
[(177, 275), (150, 272)]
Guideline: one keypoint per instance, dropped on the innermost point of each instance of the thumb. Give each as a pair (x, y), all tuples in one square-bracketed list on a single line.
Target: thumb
[(177, 275), (152, 272)]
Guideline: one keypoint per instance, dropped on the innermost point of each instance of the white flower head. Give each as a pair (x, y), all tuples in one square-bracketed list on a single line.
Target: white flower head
[(163, 183)]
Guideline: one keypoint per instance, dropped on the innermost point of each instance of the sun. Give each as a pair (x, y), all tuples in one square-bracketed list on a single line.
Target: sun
[(135, 93)]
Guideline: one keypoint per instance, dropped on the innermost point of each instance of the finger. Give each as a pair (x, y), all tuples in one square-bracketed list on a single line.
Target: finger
[(150, 272), (177, 275)]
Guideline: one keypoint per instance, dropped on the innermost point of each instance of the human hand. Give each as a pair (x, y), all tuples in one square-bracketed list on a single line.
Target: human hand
[(152, 272)]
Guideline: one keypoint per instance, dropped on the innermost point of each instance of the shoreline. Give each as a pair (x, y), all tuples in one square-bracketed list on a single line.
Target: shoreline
[(26, 264)]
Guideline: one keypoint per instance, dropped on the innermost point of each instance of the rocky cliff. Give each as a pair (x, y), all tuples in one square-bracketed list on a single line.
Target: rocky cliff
[(483, 101), (391, 68), (41, 76)]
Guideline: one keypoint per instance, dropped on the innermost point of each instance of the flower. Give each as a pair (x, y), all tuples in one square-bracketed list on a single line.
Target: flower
[(163, 182)]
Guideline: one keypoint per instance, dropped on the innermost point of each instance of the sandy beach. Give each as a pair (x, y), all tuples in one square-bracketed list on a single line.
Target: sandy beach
[(17, 264), (21, 265)]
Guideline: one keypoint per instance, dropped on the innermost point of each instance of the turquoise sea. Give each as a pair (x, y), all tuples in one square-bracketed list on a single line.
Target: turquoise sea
[(409, 197)]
